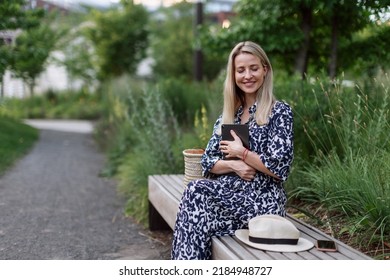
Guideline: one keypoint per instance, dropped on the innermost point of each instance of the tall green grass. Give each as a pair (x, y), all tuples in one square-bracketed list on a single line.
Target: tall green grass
[(146, 126), (145, 136), (15, 140), (349, 172)]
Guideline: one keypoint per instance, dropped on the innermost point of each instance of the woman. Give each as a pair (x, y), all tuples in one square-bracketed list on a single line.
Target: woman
[(225, 203)]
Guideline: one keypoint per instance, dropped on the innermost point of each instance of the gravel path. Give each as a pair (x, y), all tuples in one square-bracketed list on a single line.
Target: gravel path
[(54, 205)]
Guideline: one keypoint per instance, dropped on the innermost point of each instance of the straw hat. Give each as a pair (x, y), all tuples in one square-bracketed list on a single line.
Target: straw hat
[(273, 233)]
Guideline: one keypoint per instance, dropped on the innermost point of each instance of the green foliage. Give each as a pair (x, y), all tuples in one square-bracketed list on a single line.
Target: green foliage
[(172, 39), (147, 127), (79, 58), (120, 39), (145, 133), (369, 53), (31, 52), (173, 44), (202, 127), (303, 36), (15, 138), (273, 24), (187, 98), (14, 17), (62, 105)]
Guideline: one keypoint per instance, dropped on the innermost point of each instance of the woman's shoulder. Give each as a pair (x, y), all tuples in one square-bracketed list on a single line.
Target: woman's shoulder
[(281, 107)]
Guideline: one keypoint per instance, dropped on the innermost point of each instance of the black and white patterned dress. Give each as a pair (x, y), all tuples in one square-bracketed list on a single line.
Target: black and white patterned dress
[(225, 203)]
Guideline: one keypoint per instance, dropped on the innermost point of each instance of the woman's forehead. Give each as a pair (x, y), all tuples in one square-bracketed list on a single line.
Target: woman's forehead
[(246, 59)]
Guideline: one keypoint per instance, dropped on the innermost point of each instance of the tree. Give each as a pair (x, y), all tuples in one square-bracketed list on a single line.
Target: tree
[(370, 52), (300, 33), (275, 25), (171, 41), (173, 44), (119, 37), (14, 17), (31, 52), (78, 61)]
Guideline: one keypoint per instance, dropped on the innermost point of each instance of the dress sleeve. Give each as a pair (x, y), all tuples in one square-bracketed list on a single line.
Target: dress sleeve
[(212, 153), (279, 154)]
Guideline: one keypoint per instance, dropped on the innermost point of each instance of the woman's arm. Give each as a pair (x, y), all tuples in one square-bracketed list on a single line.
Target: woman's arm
[(247, 165), (242, 169)]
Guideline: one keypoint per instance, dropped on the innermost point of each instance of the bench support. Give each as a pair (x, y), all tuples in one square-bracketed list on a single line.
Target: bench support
[(156, 221)]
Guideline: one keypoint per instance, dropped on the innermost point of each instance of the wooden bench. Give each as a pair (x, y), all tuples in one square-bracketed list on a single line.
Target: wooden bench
[(164, 195)]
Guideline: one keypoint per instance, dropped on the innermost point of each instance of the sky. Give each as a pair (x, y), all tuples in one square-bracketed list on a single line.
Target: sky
[(105, 3), (149, 3)]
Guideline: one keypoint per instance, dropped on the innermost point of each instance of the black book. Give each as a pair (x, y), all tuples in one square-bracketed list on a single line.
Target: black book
[(242, 131)]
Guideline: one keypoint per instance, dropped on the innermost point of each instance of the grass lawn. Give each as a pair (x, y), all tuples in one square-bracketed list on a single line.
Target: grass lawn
[(15, 140)]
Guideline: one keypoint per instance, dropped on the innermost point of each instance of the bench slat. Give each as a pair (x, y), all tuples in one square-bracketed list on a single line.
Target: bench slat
[(308, 255), (259, 254), (220, 251), (237, 248)]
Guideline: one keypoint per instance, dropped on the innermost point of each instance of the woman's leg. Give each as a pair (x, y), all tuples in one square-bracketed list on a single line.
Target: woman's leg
[(208, 208)]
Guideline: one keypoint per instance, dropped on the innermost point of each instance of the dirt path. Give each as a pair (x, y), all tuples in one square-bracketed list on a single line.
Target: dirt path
[(54, 205)]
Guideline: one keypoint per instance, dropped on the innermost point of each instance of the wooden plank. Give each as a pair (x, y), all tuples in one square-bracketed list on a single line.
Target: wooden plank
[(179, 179), (237, 248), (276, 255), (169, 184), (293, 256), (259, 254), (162, 200), (321, 255), (220, 251), (307, 255)]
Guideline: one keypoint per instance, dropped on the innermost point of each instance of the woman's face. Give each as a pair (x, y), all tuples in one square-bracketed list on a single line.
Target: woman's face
[(249, 73)]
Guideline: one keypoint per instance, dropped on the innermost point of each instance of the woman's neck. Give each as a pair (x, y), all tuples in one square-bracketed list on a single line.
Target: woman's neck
[(248, 102)]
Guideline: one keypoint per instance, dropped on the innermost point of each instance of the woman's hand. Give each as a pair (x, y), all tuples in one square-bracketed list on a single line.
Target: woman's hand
[(245, 171), (234, 148)]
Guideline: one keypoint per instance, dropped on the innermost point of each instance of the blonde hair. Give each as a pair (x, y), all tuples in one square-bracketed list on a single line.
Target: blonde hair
[(233, 96)]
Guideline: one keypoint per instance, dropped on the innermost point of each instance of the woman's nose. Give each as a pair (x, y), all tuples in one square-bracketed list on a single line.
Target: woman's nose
[(248, 74)]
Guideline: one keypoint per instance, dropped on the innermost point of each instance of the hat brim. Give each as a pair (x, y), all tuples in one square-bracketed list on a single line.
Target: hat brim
[(303, 244)]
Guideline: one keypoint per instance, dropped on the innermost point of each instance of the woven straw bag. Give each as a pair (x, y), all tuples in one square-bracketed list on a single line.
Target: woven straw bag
[(192, 166)]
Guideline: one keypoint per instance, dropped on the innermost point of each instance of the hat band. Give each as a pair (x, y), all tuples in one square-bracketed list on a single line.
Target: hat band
[(285, 241)]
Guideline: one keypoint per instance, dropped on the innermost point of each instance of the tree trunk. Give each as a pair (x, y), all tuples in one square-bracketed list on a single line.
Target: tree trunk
[(2, 87), (332, 71), (302, 57), (32, 86)]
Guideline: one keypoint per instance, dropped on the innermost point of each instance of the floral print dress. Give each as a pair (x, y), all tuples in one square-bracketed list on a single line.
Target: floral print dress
[(222, 204)]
